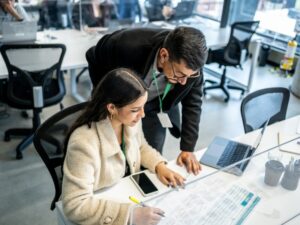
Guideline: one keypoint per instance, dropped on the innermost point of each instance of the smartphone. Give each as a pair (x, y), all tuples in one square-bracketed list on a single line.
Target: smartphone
[(143, 183)]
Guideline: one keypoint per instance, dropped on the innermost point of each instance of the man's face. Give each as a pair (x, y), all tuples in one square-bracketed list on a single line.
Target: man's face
[(174, 71)]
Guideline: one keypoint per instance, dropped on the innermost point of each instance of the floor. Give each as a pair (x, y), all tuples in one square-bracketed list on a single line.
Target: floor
[(26, 188)]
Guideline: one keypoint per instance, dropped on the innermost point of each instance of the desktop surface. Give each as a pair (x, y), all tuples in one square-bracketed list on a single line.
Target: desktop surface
[(275, 206)]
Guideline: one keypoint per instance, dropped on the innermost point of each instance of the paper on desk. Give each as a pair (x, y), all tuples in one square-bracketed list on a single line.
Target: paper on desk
[(291, 147), (206, 203), (181, 207)]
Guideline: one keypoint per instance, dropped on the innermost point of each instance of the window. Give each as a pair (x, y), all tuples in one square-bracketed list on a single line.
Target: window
[(277, 17)]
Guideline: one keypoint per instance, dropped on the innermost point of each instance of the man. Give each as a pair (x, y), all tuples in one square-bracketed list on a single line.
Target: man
[(170, 63), (158, 9)]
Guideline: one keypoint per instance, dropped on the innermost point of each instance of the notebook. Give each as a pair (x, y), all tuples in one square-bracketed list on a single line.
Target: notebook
[(222, 153), (24, 31)]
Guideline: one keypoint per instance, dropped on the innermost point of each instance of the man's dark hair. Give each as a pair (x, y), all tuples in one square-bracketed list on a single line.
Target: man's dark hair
[(188, 44)]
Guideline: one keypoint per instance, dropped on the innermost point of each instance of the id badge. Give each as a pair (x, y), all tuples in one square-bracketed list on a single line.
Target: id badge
[(164, 120)]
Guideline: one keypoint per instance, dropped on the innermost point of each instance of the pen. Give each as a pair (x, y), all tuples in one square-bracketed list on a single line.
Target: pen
[(133, 199)]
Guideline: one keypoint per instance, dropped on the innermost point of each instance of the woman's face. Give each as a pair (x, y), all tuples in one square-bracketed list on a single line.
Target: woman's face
[(131, 114)]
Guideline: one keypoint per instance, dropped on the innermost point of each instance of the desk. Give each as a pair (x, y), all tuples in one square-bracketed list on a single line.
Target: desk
[(76, 42), (277, 204)]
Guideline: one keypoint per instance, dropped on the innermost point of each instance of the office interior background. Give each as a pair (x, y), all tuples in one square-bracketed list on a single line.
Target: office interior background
[(26, 188)]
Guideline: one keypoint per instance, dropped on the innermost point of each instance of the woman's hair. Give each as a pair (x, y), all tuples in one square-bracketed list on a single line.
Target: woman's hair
[(119, 87)]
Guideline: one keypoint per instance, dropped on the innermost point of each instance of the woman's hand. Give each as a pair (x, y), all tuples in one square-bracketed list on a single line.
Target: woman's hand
[(167, 176), (147, 215)]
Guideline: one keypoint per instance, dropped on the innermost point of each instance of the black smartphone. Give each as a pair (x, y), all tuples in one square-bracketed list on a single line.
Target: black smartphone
[(143, 183)]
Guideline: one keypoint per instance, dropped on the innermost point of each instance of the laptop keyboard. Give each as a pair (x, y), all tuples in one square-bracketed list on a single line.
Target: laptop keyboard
[(233, 153)]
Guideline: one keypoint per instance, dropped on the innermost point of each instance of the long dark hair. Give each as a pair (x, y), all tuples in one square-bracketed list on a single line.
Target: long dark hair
[(119, 87)]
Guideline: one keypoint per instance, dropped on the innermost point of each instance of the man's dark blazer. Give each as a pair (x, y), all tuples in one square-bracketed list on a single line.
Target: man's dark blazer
[(135, 49)]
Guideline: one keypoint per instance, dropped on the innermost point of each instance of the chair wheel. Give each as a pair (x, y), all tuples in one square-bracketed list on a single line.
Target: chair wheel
[(19, 155), (24, 114), (6, 138)]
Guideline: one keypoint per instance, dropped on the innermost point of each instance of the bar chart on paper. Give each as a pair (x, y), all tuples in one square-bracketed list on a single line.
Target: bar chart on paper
[(202, 207)]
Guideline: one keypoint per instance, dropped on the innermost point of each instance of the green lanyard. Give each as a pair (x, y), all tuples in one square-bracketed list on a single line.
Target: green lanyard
[(123, 146), (166, 91)]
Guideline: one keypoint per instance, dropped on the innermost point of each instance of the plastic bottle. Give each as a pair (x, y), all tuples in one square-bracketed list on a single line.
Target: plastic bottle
[(289, 56)]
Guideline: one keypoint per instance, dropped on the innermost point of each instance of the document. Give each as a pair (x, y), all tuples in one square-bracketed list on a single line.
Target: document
[(202, 205)]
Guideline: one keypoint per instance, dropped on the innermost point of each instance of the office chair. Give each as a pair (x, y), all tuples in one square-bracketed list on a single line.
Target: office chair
[(49, 142), (259, 106), (34, 81), (233, 54)]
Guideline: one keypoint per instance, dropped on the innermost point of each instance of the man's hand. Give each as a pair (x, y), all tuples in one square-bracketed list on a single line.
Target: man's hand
[(188, 159)]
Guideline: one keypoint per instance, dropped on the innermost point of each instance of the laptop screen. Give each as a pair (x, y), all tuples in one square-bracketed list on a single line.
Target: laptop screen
[(225, 153)]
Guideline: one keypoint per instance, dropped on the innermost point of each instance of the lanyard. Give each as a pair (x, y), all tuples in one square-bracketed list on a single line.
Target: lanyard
[(123, 146), (166, 91)]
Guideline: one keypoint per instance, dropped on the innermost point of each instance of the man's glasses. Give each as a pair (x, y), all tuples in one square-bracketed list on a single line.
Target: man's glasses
[(195, 75)]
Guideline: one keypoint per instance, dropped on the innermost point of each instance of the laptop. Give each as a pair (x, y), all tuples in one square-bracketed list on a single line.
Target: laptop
[(222, 153), (13, 32)]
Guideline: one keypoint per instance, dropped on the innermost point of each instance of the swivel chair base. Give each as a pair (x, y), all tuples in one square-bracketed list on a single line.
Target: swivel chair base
[(223, 86), (24, 143)]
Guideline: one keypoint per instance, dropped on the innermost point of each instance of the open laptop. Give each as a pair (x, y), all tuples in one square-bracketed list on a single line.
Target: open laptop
[(13, 32), (223, 152)]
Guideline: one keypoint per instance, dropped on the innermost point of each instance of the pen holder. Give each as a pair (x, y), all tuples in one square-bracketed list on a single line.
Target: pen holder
[(291, 177), (274, 170)]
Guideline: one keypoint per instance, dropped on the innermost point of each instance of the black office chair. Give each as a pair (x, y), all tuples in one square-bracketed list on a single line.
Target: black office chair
[(49, 142), (264, 104), (34, 81), (233, 54)]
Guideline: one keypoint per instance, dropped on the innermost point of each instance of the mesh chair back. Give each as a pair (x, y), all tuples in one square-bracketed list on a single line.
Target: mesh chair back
[(259, 106), (240, 36), (49, 141), (32, 65)]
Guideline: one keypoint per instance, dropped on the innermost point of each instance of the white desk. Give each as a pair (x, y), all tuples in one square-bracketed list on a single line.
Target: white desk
[(277, 204), (76, 42)]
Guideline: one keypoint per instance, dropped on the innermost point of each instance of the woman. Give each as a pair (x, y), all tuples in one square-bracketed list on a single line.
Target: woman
[(106, 144)]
